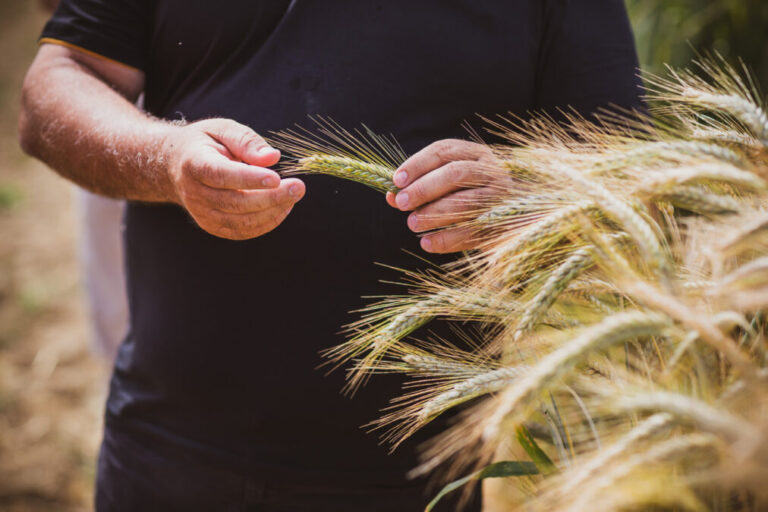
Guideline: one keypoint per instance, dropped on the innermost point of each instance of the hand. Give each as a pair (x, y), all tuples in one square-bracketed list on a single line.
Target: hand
[(217, 168), (443, 183)]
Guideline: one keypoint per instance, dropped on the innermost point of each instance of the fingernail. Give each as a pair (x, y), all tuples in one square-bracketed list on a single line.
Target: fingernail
[(265, 150), (293, 191), (400, 178), (402, 199), (268, 182), (413, 222), (426, 244)]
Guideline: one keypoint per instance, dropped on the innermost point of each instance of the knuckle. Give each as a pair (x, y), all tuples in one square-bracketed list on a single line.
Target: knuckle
[(472, 150), (273, 198), (451, 204), (284, 199), (225, 233), (202, 170), (275, 218), (438, 242), (261, 225), (442, 147), (417, 191), (215, 228), (233, 200), (252, 230), (209, 124), (486, 151), (478, 194), (246, 138), (472, 199), (455, 171), (228, 223)]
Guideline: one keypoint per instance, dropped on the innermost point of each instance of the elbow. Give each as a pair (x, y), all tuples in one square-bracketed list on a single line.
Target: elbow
[(28, 135)]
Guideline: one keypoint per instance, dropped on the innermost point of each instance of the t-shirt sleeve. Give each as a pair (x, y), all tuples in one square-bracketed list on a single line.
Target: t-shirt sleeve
[(118, 30), (588, 59)]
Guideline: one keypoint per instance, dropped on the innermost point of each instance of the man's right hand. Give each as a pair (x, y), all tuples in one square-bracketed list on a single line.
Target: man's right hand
[(219, 171), (78, 116)]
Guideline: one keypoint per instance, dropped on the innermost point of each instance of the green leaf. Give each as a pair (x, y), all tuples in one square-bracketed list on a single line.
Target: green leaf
[(496, 470), (541, 459)]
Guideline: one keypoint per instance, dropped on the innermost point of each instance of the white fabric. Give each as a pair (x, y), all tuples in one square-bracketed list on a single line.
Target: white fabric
[(101, 259)]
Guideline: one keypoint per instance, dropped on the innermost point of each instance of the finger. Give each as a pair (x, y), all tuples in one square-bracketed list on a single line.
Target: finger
[(390, 197), (457, 207), (235, 226), (248, 201), (436, 155), (436, 184), (217, 171), (277, 216), (242, 142), (451, 240)]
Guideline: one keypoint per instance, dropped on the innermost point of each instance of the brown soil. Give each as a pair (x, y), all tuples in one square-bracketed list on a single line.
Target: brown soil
[(51, 387)]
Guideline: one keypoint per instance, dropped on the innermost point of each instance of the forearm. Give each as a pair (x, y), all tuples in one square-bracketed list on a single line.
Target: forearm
[(91, 134), (77, 115)]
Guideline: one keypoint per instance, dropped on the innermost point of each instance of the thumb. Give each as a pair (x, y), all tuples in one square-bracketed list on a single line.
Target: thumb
[(244, 143)]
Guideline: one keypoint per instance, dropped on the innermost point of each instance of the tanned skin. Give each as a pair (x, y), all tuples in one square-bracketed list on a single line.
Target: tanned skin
[(78, 116)]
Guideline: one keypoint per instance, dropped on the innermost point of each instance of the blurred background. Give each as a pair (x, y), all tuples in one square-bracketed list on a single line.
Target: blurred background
[(676, 31), (51, 386)]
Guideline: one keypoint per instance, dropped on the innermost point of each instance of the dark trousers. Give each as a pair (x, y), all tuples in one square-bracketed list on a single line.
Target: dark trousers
[(135, 477)]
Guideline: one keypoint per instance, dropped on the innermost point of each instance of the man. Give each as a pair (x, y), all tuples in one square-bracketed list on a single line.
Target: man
[(235, 279)]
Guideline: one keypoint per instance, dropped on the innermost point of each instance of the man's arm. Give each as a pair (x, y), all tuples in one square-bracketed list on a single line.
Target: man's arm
[(77, 115)]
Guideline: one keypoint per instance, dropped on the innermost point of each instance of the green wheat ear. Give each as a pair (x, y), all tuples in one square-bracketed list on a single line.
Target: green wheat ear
[(376, 176), (360, 156)]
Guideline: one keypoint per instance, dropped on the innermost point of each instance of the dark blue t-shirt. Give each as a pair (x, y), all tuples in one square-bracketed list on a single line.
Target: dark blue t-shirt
[(223, 348)]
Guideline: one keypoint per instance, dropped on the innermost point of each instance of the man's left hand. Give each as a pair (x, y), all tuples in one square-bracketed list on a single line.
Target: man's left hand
[(442, 184)]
